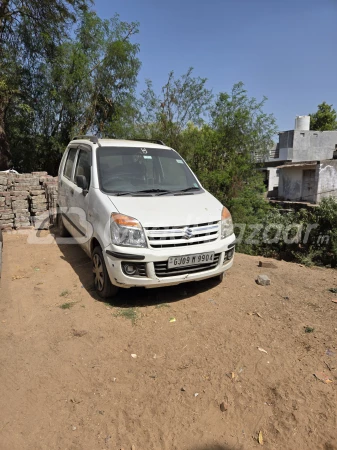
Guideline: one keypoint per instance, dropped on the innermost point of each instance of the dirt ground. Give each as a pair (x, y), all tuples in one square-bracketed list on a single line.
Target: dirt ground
[(70, 380)]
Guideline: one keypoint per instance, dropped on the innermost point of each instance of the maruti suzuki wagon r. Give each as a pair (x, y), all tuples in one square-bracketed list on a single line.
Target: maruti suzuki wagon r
[(141, 215)]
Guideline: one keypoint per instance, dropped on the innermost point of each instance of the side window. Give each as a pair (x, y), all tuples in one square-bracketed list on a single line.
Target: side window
[(83, 166), (68, 167)]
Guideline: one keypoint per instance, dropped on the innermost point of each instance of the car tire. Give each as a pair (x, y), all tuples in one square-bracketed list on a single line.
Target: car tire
[(103, 285), (62, 229)]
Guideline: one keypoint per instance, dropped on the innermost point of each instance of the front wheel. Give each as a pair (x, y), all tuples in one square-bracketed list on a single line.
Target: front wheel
[(103, 285)]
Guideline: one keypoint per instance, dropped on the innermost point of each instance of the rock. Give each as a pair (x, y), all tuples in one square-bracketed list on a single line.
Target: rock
[(183, 389), (267, 264), (263, 280), (6, 216), (223, 406)]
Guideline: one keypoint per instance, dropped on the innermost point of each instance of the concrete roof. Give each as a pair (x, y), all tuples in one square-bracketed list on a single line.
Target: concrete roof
[(299, 164)]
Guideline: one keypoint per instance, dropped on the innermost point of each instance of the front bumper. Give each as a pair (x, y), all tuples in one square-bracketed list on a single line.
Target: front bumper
[(115, 256)]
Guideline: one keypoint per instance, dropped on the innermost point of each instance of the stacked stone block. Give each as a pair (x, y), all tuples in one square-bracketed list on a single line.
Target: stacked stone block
[(6, 213), (27, 199), (19, 188), (39, 208)]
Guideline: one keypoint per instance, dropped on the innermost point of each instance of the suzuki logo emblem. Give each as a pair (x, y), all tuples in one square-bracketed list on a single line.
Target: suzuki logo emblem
[(188, 233)]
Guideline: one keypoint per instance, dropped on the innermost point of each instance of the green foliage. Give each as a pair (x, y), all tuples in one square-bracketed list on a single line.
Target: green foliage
[(67, 305), (223, 153), (309, 329), (88, 86), (324, 119), (308, 237), (29, 33), (128, 313)]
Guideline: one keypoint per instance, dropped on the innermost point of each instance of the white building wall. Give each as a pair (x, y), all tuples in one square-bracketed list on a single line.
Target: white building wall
[(313, 145), (273, 178), (327, 180), (291, 183)]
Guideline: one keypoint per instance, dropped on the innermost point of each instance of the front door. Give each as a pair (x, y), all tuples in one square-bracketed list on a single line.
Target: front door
[(80, 199), (308, 186), (66, 187)]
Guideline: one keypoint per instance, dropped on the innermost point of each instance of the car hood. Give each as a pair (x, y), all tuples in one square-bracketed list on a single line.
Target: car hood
[(170, 210)]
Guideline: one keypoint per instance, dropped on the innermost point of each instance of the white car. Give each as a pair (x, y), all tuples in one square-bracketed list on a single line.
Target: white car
[(141, 215)]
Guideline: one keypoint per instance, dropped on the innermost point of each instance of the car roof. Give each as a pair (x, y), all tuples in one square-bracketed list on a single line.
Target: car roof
[(122, 143)]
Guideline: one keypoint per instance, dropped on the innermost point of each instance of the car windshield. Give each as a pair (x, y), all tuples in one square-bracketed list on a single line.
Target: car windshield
[(147, 171)]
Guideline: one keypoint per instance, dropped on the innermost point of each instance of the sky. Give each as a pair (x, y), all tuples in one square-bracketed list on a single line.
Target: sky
[(282, 49)]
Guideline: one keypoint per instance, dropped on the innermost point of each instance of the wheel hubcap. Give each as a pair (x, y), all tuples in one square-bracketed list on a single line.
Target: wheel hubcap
[(98, 273)]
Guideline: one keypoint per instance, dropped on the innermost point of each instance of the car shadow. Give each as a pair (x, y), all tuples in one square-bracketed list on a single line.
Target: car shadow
[(131, 297)]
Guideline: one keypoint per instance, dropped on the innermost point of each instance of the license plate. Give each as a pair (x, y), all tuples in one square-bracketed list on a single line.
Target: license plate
[(190, 260)]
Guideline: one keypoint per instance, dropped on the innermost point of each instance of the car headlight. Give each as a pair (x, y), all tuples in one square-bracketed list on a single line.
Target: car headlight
[(126, 231), (226, 223)]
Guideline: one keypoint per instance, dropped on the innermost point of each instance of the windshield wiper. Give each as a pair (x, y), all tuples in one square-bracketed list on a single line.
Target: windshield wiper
[(181, 191), (192, 188), (122, 193), (153, 190), (144, 191), (157, 191)]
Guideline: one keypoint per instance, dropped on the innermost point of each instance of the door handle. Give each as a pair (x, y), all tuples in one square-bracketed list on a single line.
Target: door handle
[(72, 191)]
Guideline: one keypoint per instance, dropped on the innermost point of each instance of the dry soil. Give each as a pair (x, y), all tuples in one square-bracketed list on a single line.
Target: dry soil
[(70, 379)]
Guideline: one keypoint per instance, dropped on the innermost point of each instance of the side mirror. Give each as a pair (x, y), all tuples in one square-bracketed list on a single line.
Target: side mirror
[(82, 182)]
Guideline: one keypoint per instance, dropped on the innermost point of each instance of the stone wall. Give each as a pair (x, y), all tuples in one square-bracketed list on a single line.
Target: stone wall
[(27, 200)]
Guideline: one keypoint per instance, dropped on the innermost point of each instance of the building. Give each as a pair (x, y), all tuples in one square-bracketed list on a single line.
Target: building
[(303, 165)]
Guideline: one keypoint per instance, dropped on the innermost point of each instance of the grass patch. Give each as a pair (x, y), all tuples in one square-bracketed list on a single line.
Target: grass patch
[(162, 305), (64, 293), (128, 313), (67, 305), (309, 330)]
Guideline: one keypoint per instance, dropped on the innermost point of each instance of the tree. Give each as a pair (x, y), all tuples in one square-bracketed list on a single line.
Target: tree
[(86, 88), (324, 119), (165, 116), (222, 153), (29, 29)]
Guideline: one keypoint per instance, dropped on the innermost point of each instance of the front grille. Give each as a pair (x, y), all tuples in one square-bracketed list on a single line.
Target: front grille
[(141, 267), (180, 236), (162, 270)]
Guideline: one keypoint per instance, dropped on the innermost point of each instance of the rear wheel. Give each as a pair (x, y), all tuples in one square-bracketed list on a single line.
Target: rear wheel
[(62, 229), (103, 285)]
